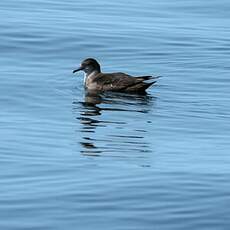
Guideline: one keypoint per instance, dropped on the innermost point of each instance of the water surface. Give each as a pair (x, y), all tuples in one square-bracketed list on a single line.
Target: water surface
[(114, 161)]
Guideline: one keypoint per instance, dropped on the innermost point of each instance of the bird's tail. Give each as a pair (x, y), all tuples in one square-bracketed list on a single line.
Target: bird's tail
[(146, 78), (140, 87)]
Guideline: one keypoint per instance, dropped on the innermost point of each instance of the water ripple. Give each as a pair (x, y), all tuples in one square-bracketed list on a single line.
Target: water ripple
[(109, 112)]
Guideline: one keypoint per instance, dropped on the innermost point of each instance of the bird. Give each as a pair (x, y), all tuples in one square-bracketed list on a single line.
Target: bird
[(95, 80)]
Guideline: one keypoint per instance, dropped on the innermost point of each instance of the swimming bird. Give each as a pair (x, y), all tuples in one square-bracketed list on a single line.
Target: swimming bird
[(117, 82)]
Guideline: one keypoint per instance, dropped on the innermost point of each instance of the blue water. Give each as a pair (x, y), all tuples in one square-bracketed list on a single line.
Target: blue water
[(72, 161)]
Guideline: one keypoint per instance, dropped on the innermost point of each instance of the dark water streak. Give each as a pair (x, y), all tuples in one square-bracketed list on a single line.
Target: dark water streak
[(94, 105)]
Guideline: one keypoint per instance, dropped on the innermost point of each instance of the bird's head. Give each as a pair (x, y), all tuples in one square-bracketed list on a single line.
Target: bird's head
[(89, 65)]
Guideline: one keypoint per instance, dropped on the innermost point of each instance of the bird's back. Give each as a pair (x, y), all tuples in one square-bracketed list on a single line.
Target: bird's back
[(121, 82)]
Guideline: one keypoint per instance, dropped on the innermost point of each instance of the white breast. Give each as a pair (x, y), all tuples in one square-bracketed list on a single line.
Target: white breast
[(87, 77)]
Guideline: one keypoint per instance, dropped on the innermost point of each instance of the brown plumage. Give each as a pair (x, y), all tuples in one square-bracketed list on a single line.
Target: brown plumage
[(119, 82)]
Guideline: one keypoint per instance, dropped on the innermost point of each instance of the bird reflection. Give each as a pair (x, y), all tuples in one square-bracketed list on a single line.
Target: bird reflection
[(103, 136)]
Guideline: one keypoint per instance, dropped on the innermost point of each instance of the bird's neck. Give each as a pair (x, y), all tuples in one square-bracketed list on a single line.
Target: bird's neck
[(88, 76)]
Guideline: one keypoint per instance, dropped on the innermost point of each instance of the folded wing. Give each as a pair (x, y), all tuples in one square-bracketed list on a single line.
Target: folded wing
[(123, 82)]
